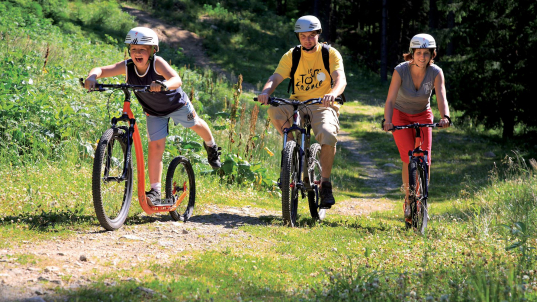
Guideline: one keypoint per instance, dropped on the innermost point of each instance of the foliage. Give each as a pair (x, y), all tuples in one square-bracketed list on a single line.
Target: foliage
[(487, 49), (46, 192), (490, 78)]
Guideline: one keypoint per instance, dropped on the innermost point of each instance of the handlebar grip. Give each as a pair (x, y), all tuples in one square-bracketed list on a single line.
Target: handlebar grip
[(163, 87), (449, 119)]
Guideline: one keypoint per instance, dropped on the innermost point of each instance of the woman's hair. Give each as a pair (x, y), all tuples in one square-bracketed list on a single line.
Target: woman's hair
[(409, 56)]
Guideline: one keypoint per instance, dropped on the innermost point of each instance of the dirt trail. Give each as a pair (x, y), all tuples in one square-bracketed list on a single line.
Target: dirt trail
[(178, 37), (375, 178), (75, 262)]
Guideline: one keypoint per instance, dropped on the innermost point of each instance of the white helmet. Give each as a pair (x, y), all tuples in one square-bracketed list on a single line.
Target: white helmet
[(307, 23), (142, 36), (422, 41)]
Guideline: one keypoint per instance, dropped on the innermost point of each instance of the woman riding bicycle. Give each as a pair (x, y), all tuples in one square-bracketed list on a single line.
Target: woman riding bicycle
[(145, 68), (409, 99), (311, 80)]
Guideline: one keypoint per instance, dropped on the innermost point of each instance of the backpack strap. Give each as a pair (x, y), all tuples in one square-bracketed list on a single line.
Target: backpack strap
[(325, 52), (297, 52)]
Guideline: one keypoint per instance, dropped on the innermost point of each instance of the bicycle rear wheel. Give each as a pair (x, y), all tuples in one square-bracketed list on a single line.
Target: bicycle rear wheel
[(418, 202), (111, 195), (180, 180), (289, 178), (314, 175)]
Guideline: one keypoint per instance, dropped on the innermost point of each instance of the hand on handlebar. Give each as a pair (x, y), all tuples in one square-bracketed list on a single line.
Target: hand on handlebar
[(387, 126), (444, 123), (263, 98), (329, 99), (156, 87), (90, 82)]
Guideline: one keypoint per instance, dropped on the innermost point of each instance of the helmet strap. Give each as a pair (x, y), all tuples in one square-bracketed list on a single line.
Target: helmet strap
[(309, 49)]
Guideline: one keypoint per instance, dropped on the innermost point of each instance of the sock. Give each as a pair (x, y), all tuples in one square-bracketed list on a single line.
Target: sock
[(325, 179), (210, 143), (156, 187)]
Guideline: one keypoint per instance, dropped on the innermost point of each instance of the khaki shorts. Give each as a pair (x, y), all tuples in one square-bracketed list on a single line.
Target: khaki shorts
[(324, 120)]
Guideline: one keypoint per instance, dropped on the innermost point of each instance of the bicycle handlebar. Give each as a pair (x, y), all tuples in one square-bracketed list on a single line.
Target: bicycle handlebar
[(138, 88), (416, 125), (274, 101)]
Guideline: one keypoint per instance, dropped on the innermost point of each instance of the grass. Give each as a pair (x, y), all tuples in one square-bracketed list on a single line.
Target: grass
[(479, 244)]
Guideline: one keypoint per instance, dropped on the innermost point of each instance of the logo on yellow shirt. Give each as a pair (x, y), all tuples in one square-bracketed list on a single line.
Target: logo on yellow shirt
[(314, 78)]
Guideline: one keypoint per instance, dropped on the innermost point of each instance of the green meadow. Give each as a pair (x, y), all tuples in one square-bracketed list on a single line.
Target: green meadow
[(479, 244)]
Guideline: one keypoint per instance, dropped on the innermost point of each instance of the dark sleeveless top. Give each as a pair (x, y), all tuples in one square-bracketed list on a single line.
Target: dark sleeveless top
[(154, 103)]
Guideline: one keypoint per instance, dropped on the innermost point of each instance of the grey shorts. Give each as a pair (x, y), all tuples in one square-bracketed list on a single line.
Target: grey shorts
[(157, 126)]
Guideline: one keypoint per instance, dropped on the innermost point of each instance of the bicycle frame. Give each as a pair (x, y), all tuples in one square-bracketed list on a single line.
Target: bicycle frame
[(133, 138), (420, 156), (305, 134)]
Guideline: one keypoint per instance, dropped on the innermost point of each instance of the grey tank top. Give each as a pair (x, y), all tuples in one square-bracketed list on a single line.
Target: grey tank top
[(154, 103), (412, 101)]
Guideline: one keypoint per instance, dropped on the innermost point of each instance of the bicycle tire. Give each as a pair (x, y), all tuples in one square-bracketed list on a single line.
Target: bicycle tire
[(289, 178), (180, 176), (314, 176), (111, 198), (418, 205)]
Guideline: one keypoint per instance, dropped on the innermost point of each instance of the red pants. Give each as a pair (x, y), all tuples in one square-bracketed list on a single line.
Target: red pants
[(404, 139)]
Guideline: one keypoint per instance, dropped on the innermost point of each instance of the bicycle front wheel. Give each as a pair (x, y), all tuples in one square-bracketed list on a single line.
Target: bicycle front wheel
[(314, 174), (180, 183), (112, 193), (418, 202), (289, 178)]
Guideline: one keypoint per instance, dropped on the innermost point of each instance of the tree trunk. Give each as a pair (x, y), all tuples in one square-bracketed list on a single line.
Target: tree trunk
[(433, 14), (280, 7), (383, 47), (332, 21), (508, 126), (451, 24), (316, 8)]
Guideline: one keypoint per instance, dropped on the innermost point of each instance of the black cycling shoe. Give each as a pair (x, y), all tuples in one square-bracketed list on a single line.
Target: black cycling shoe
[(327, 199), (213, 155), (152, 197)]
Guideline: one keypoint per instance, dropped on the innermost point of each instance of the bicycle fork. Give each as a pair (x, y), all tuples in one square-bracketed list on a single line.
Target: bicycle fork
[(299, 184)]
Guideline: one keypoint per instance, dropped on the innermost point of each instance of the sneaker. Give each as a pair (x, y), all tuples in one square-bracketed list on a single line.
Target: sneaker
[(327, 199), (213, 155), (406, 208), (152, 197)]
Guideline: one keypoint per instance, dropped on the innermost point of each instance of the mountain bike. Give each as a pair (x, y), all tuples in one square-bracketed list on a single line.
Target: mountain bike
[(294, 155), (418, 178), (112, 177)]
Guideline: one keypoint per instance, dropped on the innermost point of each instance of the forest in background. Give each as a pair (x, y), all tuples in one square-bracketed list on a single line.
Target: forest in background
[(487, 49)]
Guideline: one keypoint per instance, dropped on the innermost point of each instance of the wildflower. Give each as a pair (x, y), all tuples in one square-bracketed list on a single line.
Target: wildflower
[(269, 152)]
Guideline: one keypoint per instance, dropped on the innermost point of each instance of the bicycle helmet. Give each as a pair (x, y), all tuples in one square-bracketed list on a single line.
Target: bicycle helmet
[(307, 23), (422, 41), (142, 36)]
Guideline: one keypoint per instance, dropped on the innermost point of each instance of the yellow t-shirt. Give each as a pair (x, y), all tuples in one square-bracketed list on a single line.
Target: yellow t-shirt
[(312, 80)]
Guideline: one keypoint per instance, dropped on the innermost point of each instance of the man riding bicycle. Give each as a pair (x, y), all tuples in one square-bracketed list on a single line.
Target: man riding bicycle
[(310, 79)]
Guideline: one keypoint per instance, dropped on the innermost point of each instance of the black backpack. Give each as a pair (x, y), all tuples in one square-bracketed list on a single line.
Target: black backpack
[(296, 58)]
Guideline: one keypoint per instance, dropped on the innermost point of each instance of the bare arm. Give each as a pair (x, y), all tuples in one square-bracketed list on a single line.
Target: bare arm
[(269, 88), (340, 82), (440, 88), (173, 81), (103, 72), (390, 100)]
